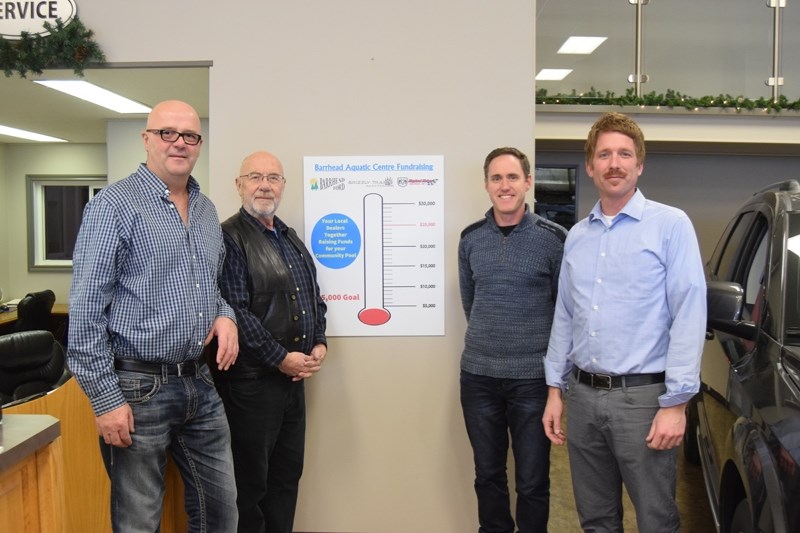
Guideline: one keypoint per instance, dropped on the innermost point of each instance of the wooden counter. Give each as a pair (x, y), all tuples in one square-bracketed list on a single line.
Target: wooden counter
[(86, 487), (31, 474)]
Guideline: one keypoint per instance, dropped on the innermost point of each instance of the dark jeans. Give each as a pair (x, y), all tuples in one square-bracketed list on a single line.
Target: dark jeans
[(493, 407), (267, 417), (185, 416)]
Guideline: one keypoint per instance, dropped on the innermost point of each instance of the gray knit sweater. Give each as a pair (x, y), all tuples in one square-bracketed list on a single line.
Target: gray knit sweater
[(508, 290)]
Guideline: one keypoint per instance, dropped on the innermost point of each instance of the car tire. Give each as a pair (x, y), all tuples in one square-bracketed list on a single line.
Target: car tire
[(691, 448), (742, 522)]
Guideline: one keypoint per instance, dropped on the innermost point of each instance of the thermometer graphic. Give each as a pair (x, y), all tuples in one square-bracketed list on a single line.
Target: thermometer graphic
[(374, 312)]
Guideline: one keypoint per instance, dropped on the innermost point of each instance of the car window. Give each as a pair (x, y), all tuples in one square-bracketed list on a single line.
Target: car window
[(754, 274), (731, 251), (792, 291)]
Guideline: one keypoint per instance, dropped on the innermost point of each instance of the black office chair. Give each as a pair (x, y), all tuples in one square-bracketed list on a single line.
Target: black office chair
[(35, 311), (31, 362)]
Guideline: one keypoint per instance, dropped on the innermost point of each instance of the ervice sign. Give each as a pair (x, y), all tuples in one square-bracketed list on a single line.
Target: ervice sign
[(29, 16)]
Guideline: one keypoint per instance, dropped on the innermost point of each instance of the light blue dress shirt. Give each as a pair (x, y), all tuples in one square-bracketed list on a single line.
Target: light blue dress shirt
[(631, 299)]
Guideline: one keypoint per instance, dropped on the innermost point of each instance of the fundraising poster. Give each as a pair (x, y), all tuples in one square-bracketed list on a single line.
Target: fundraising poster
[(375, 226)]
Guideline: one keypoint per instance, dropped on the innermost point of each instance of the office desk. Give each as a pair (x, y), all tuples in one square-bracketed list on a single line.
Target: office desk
[(60, 311), (60, 322)]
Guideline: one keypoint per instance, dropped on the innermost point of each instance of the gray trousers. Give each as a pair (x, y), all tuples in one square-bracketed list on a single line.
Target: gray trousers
[(606, 433)]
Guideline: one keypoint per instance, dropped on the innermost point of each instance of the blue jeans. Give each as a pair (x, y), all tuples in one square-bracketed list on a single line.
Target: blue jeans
[(493, 407), (185, 416), (267, 416)]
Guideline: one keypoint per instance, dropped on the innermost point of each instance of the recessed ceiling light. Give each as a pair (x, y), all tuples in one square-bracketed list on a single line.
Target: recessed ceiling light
[(553, 74), (29, 135), (581, 45), (96, 95)]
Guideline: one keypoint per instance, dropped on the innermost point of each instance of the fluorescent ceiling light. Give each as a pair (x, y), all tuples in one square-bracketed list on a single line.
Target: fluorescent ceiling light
[(553, 74), (581, 45), (29, 135), (96, 95)]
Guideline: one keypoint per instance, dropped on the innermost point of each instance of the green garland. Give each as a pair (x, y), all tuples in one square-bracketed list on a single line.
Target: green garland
[(69, 46), (670, 98)]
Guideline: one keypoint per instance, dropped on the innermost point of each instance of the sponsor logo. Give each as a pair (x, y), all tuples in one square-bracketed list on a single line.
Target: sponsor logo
[(422, 181), (320, 184)]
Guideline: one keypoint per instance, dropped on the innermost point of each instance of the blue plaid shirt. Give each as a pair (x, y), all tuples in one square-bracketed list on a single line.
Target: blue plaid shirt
[(144, 286), (254, 340)]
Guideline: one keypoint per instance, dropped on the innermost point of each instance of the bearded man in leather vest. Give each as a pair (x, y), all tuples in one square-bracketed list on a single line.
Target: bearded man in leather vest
[(269, 279)]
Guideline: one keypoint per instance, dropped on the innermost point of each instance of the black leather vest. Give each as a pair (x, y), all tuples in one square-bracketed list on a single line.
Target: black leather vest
[(273, 295)]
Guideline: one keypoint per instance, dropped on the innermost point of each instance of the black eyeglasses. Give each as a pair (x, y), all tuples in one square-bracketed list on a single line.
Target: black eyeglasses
[(171, 136)]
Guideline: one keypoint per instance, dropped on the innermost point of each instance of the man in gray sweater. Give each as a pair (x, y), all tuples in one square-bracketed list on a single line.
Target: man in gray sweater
[(508, 264)]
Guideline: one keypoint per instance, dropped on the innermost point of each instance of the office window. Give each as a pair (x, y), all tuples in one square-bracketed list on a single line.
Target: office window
[(55, 209)]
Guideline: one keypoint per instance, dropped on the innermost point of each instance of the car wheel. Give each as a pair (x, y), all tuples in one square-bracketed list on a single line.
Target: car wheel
[(742, 522), (691, 449)]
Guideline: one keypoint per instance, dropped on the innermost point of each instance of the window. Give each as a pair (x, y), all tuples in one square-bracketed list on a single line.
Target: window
[(554, 192), (55, 209), (726, 268)]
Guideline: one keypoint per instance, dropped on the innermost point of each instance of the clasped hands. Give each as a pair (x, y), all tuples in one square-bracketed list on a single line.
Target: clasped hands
[(301, 366)]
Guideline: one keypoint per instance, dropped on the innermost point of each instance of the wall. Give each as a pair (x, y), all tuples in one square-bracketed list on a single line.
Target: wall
[(5, 255), (20, 161), (387, 451), (126, 151), (708, 187)]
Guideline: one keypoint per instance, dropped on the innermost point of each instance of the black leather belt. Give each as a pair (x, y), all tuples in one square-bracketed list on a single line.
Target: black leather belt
[(604, 381), (185, 369)]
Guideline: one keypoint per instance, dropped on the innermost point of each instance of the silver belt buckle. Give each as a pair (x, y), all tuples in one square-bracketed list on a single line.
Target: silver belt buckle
[(186, 366), (600, 384)]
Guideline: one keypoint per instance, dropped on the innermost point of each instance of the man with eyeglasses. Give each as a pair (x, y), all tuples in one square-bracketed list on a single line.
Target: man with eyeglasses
[(144, 303), (508, 265), (269, 278)]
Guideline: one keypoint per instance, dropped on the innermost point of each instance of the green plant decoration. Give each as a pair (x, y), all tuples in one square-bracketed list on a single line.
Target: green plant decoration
[(67, 46), (670, 98)]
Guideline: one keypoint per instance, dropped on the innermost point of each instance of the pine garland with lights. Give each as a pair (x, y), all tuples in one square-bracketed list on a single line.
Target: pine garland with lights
[(670, 98), (67, 46)]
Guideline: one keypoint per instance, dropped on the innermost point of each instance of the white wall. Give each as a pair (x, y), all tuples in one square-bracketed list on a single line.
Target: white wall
[(727, 126), (386, 450), (126, 150), (37, 159)]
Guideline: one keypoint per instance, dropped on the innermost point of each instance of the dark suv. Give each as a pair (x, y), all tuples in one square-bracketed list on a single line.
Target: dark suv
[(744, 426)]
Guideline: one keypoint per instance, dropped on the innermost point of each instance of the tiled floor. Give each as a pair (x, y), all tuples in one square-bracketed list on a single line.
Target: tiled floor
[(691, 494)]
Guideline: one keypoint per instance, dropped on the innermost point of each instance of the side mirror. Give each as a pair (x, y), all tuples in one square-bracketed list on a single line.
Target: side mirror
[(724, 300)]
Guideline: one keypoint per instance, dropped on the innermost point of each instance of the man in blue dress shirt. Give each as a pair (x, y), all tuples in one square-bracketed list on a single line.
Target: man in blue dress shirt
[(143, 304), (626, 340)]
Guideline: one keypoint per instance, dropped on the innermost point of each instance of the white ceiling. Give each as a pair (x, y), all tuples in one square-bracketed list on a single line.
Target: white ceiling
[(29, 106)]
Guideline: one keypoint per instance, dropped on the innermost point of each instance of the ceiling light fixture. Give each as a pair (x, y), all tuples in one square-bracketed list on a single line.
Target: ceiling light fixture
[(96, 95), (553, 74), (29, 135), (581, 45)]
